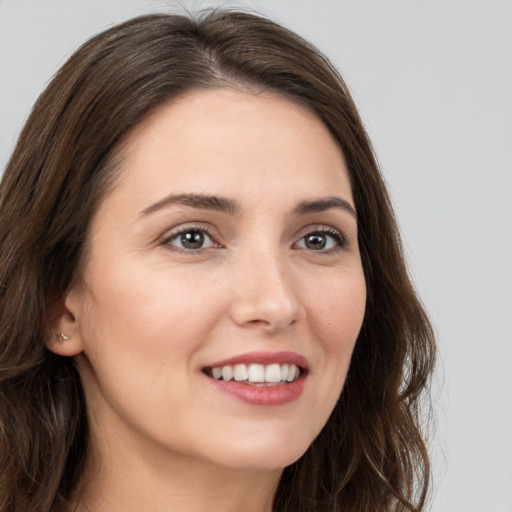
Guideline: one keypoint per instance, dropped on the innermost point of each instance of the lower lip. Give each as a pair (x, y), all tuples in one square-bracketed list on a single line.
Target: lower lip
[(261, 395)]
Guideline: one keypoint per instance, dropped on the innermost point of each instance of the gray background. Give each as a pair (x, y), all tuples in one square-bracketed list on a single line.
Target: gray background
[(433, 81)]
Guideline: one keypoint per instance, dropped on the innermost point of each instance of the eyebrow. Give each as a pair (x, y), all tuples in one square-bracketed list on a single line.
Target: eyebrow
[(323, 204), (200, 201), (227, 205)]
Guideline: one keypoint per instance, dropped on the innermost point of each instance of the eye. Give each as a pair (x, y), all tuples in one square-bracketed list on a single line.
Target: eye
[(191, 239), (324, 240)]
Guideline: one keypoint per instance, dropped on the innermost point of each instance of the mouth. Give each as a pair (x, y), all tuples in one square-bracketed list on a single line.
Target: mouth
[(255, 374), (260, 378)]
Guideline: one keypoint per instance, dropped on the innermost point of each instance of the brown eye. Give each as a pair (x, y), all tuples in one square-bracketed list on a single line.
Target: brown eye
[(190, 239), (315, 241), (324, 241)]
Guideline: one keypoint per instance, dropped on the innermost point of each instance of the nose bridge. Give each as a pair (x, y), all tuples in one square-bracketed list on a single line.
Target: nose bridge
[(265, 294)]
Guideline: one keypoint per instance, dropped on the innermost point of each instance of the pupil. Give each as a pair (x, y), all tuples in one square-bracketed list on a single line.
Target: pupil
[(192, 239), (315, 242)]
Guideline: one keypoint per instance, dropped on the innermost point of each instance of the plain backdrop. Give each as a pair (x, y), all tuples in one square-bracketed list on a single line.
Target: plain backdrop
[(433, 81)]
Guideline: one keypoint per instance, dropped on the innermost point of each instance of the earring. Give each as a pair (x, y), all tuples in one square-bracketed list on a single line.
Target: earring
[(60, 337)]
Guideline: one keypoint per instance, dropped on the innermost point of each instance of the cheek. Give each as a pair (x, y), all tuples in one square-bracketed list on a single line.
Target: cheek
[(140, 336), (335, 315), (339, 311), (140, 333), (157, 307), (338, 315)]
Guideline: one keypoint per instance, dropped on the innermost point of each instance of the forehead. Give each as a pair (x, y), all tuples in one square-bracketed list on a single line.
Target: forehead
[(230, 142)]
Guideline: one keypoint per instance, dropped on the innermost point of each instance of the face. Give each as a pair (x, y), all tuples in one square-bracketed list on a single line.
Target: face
[(223, 292)]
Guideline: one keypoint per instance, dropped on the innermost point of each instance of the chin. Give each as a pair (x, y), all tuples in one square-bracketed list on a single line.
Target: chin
[(263, 454)]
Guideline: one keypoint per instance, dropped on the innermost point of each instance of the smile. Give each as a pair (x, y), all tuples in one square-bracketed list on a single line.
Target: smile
[(256, 374), (260, 378)]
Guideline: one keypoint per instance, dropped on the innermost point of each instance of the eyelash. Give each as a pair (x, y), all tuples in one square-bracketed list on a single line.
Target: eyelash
[(339, 239), (189, 229)]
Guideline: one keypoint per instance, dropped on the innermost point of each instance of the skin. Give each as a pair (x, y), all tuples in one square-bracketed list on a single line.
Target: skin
[(146, 315)]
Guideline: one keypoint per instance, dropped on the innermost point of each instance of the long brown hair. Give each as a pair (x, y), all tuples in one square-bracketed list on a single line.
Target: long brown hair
[(371, 455)]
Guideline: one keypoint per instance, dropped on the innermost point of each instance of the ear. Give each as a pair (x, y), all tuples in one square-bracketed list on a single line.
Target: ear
[(64, 336)]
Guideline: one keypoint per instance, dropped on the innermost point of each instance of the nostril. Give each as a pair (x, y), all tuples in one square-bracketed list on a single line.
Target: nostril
[(268, 313)]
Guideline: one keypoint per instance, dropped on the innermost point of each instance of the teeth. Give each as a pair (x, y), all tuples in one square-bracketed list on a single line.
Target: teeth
[(273, 373), (240, 372), (257, 373), (227, 372), (293, 373)]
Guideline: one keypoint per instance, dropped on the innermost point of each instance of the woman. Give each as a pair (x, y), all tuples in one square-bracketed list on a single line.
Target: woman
[(204, 301)]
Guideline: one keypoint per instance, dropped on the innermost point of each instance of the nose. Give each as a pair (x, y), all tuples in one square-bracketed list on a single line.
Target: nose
[(266, 295)]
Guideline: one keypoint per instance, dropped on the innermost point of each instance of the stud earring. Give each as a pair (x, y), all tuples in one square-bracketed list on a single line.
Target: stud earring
[(60, 337)]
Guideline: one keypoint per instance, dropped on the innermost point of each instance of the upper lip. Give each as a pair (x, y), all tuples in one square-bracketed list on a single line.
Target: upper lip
[(264, 358)]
